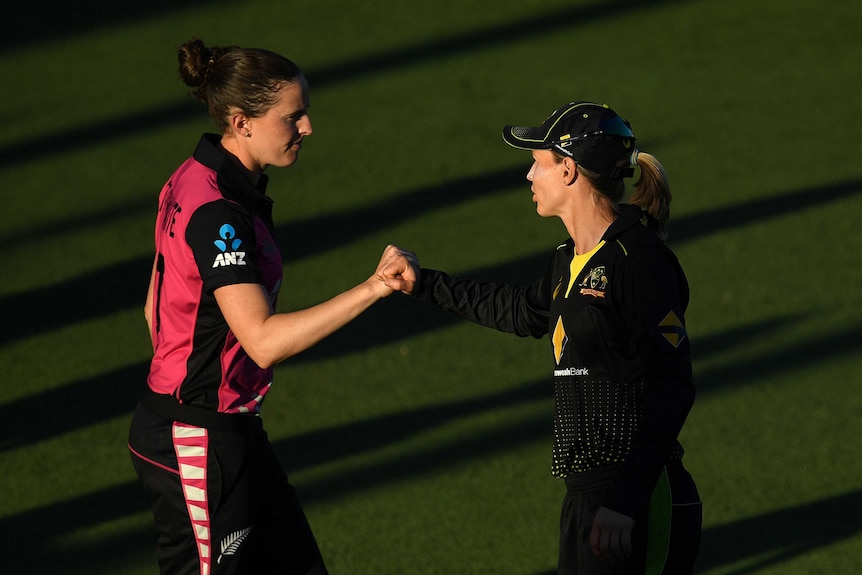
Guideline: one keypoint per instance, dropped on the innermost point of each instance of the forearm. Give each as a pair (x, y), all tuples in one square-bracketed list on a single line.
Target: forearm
[(296, 331), (511, 309), (274, 337)]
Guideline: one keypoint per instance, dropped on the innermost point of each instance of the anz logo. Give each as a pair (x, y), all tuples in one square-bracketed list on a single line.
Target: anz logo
[(228, 244)]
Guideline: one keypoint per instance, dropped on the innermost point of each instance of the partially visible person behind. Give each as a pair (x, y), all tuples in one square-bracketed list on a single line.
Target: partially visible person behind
[(222, 503), (613, 301)]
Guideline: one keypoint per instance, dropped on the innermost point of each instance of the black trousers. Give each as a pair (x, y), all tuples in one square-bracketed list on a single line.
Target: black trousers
[(222, 503), (665, 539)]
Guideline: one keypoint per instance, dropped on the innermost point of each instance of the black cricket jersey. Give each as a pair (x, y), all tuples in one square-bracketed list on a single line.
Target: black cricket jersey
[(621, 359)]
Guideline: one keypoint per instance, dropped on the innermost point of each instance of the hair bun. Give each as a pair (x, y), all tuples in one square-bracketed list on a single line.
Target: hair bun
[(196, 62)]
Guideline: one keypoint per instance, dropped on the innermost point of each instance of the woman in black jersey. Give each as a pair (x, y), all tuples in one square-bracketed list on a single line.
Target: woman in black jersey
[(613, 302), (221, 501)]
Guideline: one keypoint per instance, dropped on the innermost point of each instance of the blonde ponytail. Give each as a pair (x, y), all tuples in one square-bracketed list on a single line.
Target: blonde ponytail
[(652, 191)]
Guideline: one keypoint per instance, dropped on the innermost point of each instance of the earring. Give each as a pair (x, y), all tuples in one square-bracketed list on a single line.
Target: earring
[(248, 134)]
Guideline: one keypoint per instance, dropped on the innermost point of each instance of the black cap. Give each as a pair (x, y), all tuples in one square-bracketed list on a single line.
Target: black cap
[(592, 134)]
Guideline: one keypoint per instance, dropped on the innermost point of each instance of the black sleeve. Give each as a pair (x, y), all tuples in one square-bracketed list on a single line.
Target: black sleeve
[(657, 296), (521, 310), (222, 238)]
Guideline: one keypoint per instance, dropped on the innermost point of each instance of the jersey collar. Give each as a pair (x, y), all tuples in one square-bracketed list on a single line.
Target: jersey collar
[(630, 215), (235, 182)]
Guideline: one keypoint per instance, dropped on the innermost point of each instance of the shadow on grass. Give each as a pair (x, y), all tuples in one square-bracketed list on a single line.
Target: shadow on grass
[(784, 360), (109, 395), (115, 393), (32, 537), (62, 19), (774, 538), (53, 539), (766, 540), (326, 233), (360, 437), (54, 19), (757, 210), (57, 20), (123, 286), (37, 533)]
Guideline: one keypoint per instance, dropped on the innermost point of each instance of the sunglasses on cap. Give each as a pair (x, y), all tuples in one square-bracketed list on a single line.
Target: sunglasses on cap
[(615, 126)]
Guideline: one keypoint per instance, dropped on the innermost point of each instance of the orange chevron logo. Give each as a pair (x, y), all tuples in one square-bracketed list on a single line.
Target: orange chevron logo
[(559, 339)]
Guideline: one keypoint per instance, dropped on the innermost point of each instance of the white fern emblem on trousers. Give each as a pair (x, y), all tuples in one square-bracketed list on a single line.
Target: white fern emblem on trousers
[(230, 544)]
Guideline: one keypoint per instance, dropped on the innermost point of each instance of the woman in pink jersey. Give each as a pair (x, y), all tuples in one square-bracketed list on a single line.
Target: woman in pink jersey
[(221, 501)]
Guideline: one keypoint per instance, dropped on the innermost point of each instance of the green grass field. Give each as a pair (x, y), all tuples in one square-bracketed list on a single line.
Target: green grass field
[(420, 444)]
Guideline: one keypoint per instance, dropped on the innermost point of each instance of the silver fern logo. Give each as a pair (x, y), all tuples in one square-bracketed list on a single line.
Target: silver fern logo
[(230, 544)]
